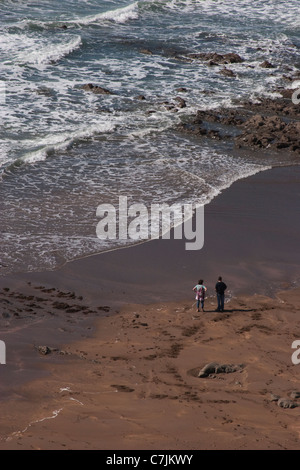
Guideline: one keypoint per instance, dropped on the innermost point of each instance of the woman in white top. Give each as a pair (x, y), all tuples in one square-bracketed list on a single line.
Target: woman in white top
[(200, 290)]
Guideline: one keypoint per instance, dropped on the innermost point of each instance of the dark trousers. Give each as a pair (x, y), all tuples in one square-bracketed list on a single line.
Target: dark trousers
[(220, 298)]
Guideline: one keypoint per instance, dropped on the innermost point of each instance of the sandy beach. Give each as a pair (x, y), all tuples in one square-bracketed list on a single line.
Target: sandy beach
[(105, 352)]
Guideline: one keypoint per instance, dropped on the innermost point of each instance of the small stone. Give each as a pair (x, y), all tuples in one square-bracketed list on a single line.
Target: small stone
[(181, 102), (274, 397), (208, 369), (44, 350), (227, 72), (294, 395), (267, 65), (146, 51), (98, 90)]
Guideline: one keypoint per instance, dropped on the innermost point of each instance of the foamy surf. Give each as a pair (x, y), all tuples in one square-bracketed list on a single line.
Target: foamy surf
[(65, 149), (119, 15), (50, 53), (50, 144)]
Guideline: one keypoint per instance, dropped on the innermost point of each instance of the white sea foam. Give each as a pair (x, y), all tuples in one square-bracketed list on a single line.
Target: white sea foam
[(278, 11), (62, 141), (26, 49), (53, 52), (119, 15)]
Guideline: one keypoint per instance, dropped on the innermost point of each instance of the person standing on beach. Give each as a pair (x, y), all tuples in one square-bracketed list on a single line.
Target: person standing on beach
[(200, 290), (220, 290)]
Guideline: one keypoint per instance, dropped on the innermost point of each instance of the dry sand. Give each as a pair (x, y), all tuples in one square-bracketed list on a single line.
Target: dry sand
[(123, 373), (134, 384)]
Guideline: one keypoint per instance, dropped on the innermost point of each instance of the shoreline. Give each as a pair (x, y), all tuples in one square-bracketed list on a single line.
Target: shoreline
[(238, 225), (105, 311)]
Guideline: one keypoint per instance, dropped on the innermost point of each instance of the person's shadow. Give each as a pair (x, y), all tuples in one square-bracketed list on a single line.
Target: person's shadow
[(231, 310)]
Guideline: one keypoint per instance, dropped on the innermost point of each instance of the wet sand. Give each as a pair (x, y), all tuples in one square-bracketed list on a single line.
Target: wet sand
[(125, 344)]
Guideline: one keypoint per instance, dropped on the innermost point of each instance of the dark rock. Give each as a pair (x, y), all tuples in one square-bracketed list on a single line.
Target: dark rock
[(216, 59), (140, 97), (104, 308), (181, 90), (215, 368), (233, 58), (266, 65), (61, 305), (294, 395), (44, 350), (286, 92), (146, 51), (42, 90), (98, 90), (265, 131), (211, 63), (286, 403), (274, 397), (75, 309), (181, 102), (227, 73)]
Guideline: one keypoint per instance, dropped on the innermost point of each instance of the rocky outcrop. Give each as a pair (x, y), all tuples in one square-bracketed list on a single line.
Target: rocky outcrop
[(213, 58), (269, 131), (264, 124)]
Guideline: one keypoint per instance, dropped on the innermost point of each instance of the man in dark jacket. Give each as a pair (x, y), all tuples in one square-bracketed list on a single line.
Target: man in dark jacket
[(220, 290)]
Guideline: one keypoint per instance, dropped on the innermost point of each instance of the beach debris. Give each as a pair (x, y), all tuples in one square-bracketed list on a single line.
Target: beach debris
[(216, 368)]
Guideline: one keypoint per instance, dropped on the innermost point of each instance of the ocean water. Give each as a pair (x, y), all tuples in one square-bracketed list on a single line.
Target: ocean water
[(64, 151)]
